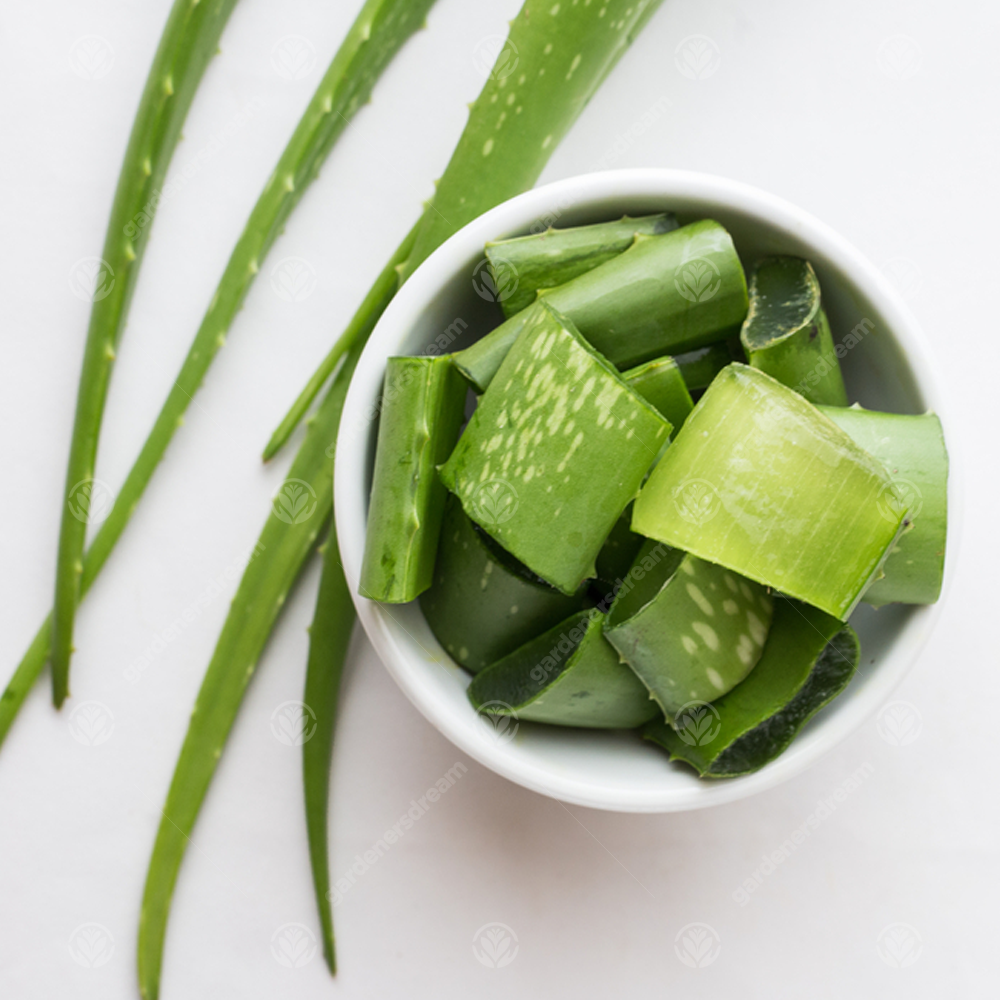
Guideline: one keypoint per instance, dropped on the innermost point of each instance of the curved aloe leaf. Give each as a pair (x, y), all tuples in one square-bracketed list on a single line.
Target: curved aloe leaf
[(189, 40)]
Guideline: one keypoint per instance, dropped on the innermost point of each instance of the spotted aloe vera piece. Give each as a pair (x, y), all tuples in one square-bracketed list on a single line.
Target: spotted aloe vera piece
[(525, 264), (759, 481), (568, 676), (564, 441), (423, 400), (689, 629), (665, 294), (661, 383), (786, 333), (912, 448), (483, 603), (809, 658)]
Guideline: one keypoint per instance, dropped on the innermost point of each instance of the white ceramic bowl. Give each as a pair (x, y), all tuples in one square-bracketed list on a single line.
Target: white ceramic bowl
[(890, 370)]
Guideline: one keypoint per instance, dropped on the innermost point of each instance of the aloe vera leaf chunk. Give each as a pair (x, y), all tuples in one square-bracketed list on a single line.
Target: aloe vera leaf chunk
[(913, 449), (664, 295), (617, 554), (423, 402), (555, 450), (525, 264), (809, 658), (761, 482), (786, 333), (568, 676), (700, 366), (689, 629), (483, 604), (662, 385)]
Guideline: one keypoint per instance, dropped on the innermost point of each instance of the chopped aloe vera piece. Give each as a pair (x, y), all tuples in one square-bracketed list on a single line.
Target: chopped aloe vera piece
[(808, 660), (912, 448), (761, 482), (556, 448), (569, 676), (617, 554), (690, 630), (521, 266), (483, 603), (423, 403), (661, 384), (786, 333), (700, 366), (663, 295)]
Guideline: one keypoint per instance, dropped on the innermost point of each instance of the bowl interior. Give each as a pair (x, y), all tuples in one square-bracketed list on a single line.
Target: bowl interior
[(440, 305)]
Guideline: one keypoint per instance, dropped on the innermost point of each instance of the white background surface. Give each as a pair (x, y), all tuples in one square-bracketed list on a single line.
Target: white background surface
[(892, 143)]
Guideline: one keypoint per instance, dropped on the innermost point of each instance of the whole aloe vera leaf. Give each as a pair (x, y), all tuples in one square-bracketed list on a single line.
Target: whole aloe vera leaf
[(483, 603), (363, 322), (556, 448), (761, 482), (661, 383), (663, 295), (329, 637), (555, 58), (284, 543), (912, 448), (568, 676), (423, 405), (700, 366), (523, 265), (808, 660), (190, 38), (376, 35), (786, 333), (689, 629)]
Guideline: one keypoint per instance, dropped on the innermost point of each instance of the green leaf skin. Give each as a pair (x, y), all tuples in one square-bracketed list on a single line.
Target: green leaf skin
[(912, 448), (423, 403), (555, 58), (664, 295), (557, 447), (809, 659), (376, 35), (569, 676), (700, 366), (786, 333), (661, 384), (329, 637), (759, 481), (483, 603), (689, 629), (190, 38), (525, 264)]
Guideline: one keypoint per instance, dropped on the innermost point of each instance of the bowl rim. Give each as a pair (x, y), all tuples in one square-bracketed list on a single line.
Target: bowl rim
[(514, 216)]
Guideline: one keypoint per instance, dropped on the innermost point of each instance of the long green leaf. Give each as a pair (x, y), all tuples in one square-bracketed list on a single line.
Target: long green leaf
[(189, 40)]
